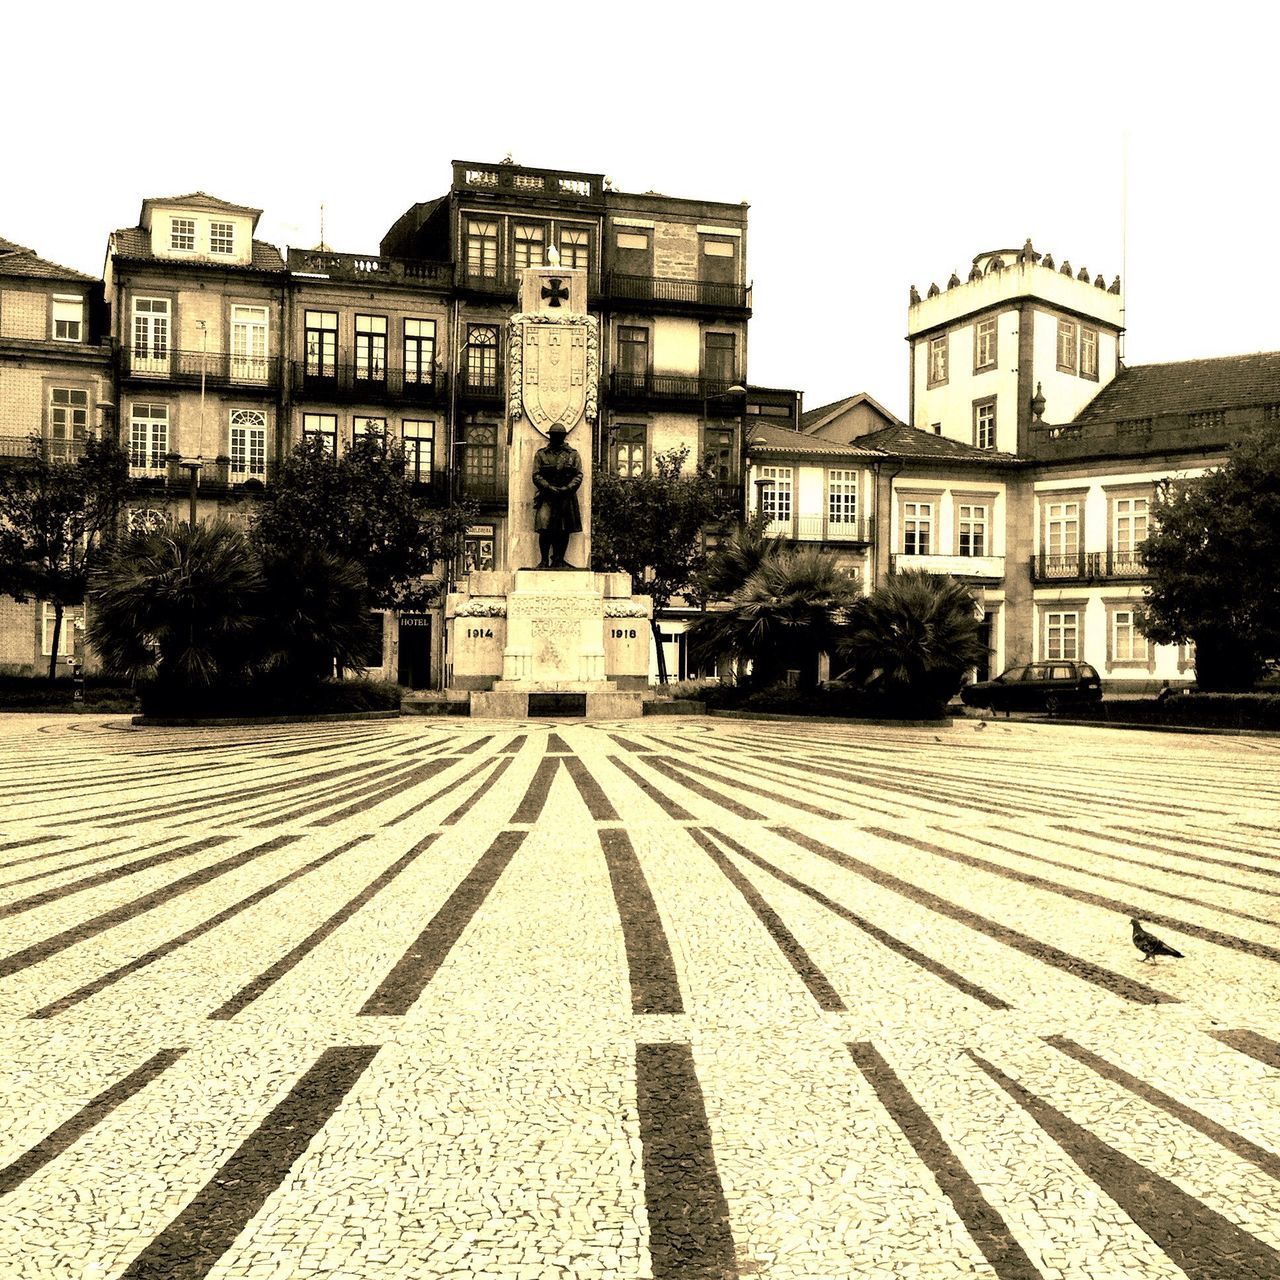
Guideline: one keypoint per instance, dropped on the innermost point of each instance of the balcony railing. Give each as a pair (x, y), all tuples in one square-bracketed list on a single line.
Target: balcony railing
[(1167, 432), (668, 388), (216, 474), (488, 487), (471, 387), (1088, 566), (618, 286), (218, 368), (496, 280), (367, 267), (345, 380), (41, 447), (984, 568), (818, 528)]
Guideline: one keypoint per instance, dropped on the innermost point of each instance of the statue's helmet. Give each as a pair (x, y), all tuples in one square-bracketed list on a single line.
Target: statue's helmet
[(558, 429)]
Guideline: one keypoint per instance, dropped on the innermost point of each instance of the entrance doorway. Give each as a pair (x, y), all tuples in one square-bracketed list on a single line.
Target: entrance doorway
[(414, 671), (984, 639)]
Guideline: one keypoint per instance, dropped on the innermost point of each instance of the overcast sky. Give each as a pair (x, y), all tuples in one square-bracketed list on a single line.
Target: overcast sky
[(878, 146)]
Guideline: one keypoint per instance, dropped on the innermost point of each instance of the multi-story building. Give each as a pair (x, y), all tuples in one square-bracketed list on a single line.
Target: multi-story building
[(56, 387)]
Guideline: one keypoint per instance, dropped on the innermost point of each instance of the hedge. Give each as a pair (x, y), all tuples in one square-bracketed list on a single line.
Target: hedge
[(266, 698)]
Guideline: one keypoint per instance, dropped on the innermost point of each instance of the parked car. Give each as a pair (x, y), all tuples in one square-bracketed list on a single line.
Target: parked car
[(1037, 686)]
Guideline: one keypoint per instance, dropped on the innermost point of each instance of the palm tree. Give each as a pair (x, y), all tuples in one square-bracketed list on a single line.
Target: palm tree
[(791, 609), (913, 639), (181, 601)]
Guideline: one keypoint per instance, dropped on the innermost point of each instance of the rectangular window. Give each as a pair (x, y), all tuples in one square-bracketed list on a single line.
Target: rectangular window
[(1062, 635), (249, 344), (775, 495), (984, 424), (1129, 531), (68, 420), (148, 436), (1088, 353), (150, 335), (419, 450), (1062, 529), (324, 427), (984, 344), (633, 353), (842, 499), (66, 636), (480, 461), (482, 356), (419, 352), (634, 239), (971, 528), (528, 244), (1128, 644), (575, 247), (374, 428), (371, 348), (917, 528), (717, 248), (629, 449), (248, 444), (68, 319), (1067, 346), (482, 248), (720, 357), (719, 454), (938, 360), (222, 237), (321, 344), (182, 233)]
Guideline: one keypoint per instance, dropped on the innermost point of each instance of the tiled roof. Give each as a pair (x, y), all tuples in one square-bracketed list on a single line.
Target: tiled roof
[(1187, 386), (201, 200), (18, 260), (813, 418), (781, 440), (909, 442), (135, 242)]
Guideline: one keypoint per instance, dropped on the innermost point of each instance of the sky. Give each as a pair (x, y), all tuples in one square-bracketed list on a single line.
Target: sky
[(878, 146)]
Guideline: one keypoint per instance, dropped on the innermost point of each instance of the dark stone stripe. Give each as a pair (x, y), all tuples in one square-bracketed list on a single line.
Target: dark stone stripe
[(1238, 1145), (1251, 1043), (1126, 909), (1086, 970), (449, 787), (26, 842), (660, 798), (90, 928), (539, 786), (397, 784), (716, 798), (627, 745), (121, 851), (514, 745), (118, 872), (590, 790), (1102, 875), (190, 1246), (376, 780), (1221, 863), (467, 748), (1183, 838), (504, 763), (1203, 1243), (790, 783), (778, 795), (557, 746), (92, 1113), (689, 1233), (189, 935), (908, 952), (984, 1224), (652, 972), (786, 941), (408, 979), (252, 990)]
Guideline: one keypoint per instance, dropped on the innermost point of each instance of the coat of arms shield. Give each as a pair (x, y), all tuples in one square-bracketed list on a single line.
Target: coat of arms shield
[(554, 383)]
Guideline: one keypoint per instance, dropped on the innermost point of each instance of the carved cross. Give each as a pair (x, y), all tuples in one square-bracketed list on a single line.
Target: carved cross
[(557, 293)]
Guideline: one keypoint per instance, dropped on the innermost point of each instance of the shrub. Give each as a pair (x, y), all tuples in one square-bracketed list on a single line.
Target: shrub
[(264, 697)]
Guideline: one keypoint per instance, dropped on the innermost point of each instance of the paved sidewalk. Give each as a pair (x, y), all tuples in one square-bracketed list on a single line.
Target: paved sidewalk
[(669, 999)]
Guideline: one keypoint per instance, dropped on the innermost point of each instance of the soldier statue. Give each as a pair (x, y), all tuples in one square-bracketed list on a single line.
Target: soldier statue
[(557, 476)]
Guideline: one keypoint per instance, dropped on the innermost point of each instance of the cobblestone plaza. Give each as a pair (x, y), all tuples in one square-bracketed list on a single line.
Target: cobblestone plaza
[(674, 998)]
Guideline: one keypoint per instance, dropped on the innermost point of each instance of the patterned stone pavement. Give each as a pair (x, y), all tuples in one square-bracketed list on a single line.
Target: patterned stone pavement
[(673, 998)]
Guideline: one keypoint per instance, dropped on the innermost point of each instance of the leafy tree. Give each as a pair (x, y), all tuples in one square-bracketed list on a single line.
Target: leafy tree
[(363, 507), (55, 518), (1213, 565), (791, 609), (913, 639), (651, 527)]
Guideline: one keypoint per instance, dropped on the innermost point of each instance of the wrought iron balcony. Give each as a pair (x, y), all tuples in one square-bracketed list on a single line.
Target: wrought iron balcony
[(1088, 566), (482, 484), (1125, 564), (494, 280), (218, 474), (668, 389), (348, 381), (41, 447), (370, 268), (478, 387), (669, 291), (820, 528), (217, 368)]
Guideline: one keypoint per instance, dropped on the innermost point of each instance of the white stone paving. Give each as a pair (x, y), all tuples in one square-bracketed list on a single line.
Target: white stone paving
[(496, 1133)]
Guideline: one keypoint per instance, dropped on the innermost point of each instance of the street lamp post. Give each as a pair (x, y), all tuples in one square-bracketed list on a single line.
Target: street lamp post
[(192, 466)]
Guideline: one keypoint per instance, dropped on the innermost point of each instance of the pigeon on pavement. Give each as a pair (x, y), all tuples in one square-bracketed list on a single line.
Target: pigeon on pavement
[(1149, 944)]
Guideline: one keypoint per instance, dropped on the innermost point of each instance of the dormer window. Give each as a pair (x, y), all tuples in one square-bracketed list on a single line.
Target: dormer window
[(182, 234), (222, 237)]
